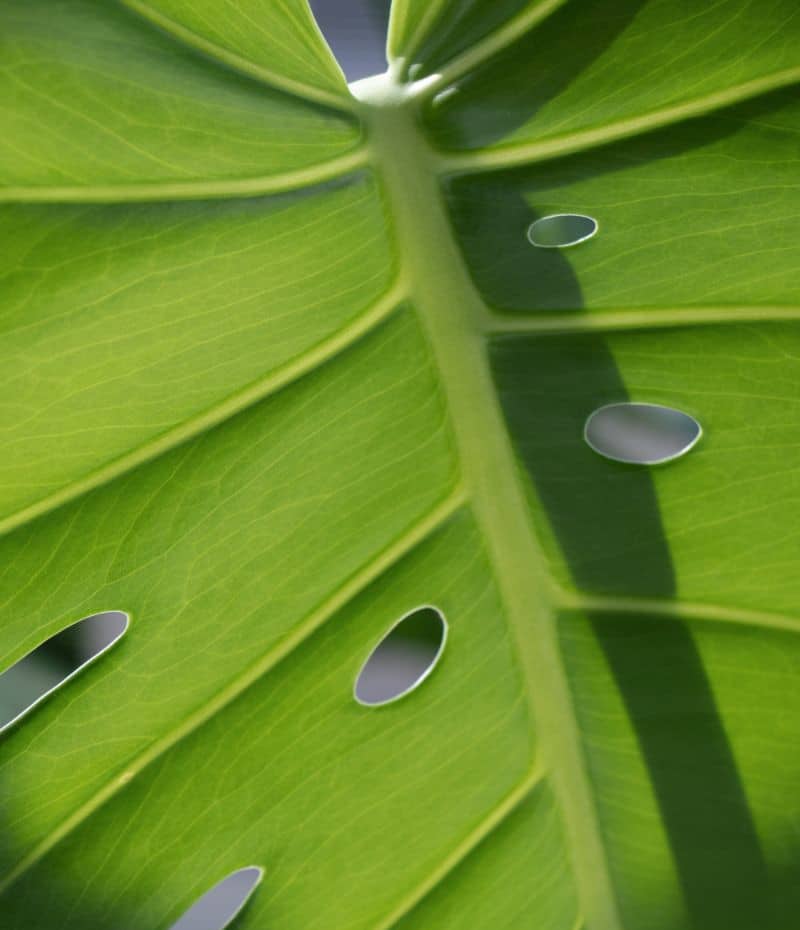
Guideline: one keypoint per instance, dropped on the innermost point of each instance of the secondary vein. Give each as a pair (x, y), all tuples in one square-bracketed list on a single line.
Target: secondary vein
[(190, 190), (235, 403), (542, 150), (493, 819), (237, 62), (567, 321), (684, 610), (415, 535)]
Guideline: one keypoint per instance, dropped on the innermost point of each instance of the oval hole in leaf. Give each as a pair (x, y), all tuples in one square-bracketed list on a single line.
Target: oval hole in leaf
[(641, 434), (218, 906), (404, 658), (561, 230), (45, 669)]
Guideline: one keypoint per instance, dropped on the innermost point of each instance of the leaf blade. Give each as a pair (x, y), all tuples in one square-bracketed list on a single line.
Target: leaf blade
[(96, 97), (549, 596)]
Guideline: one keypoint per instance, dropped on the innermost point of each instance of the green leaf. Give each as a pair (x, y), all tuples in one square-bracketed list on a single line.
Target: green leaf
[(276, 42), (97, 104), (632, 68), (426, 35), (281, 365)]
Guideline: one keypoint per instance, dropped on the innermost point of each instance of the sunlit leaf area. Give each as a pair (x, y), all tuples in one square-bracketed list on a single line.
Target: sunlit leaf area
[(398, 504)]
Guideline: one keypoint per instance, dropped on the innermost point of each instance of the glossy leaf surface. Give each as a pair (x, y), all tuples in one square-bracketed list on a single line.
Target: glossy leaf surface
[(282, 365)]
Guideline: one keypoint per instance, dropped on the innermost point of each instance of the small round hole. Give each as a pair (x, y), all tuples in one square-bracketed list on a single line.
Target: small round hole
[(561, 230), (641, 434), (404, 658)]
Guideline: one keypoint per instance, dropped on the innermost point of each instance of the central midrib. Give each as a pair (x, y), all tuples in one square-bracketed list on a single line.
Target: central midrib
[(452, 312)]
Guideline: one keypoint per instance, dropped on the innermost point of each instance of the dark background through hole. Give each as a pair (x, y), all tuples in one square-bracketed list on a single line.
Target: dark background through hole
[(356, 32)]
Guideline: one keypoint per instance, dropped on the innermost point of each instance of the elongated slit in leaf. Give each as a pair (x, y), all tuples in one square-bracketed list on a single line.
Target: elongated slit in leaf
[(45, 669), (221, 904), (404, 658)]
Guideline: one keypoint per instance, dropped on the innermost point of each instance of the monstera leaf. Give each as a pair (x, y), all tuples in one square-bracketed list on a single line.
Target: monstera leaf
[(281, 363)]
